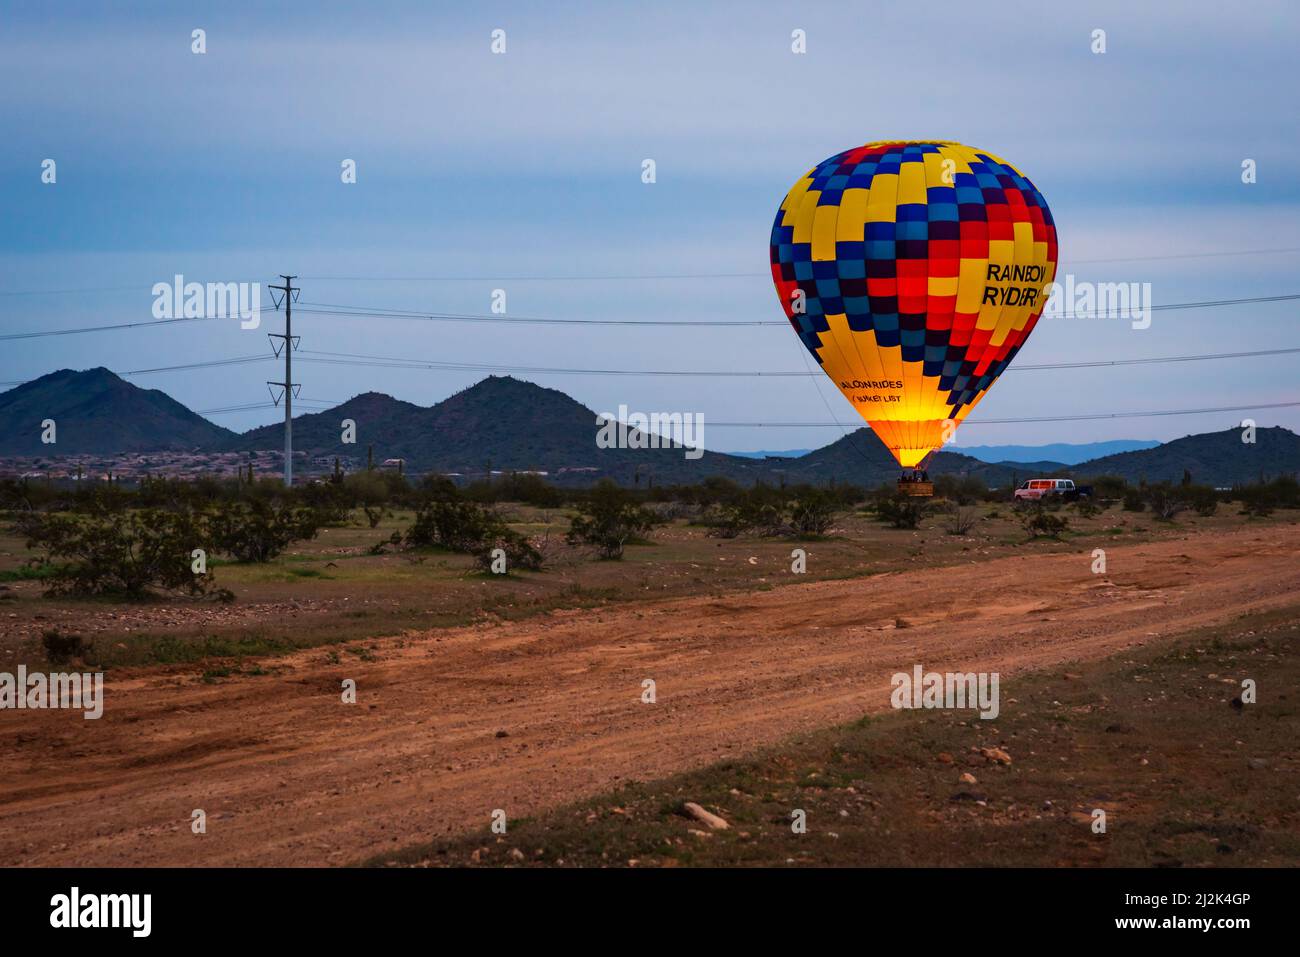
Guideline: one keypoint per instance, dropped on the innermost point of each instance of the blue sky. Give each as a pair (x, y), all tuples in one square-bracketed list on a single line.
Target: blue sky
[(225, 166)]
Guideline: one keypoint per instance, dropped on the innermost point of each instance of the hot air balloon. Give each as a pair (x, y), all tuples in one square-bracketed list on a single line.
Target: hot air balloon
[(913, 271)]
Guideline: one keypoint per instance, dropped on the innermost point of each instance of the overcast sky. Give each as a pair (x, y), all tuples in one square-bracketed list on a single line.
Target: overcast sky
[(503, 168)]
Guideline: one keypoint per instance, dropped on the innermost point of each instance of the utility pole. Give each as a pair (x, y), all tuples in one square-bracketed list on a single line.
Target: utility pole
[(289, 296)]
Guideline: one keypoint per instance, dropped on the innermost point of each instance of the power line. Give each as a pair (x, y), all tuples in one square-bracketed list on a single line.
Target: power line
[(324, 405), (1043, 418), (362, 312), (121, 325), (842, 425), (396, 362), (366, 312), (177, 368), (378, 312)]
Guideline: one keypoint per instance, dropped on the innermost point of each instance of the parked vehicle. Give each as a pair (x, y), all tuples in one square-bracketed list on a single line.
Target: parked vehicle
[(1037, 489)]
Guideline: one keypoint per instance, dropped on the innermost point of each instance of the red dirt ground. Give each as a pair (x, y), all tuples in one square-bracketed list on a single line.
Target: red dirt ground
[(289, 775)]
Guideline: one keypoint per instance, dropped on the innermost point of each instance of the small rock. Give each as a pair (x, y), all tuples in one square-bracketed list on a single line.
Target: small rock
[(967, 778), (705, 817), (995, 755)]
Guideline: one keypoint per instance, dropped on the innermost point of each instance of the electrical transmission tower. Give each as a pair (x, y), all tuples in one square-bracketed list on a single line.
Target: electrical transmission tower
[(289, 296)]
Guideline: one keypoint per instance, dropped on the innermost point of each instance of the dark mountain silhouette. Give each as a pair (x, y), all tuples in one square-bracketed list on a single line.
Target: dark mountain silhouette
[(1212, 458), (498, 424), (505, 424), (95, 412)]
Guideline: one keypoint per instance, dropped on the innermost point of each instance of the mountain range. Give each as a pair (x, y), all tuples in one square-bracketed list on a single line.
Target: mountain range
[(506, 424)]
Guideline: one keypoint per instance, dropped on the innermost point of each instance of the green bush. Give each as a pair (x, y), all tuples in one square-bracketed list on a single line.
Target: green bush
[(959, 520), (128, 554), (609, 519), (1040, 523), (963, 491), (813, 512), (1109, 488), (1203, 499), (1087, 508), (902, 511), (515, 487), (1135, 500), (1166, 500), (760, 510), (455, 525), (258, 530), (519, 552)]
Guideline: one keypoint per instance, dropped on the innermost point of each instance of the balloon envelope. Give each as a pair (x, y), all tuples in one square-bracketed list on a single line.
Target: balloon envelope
[(913, 272)]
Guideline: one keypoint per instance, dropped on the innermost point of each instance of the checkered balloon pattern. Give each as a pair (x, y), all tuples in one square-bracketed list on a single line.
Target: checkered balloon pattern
[(913, 272)]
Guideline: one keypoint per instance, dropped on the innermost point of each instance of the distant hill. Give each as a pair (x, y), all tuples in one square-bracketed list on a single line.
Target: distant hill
[(500, 423), (1213, 458), (506, 424), (766, 454), (96, 412), (1062, 452)]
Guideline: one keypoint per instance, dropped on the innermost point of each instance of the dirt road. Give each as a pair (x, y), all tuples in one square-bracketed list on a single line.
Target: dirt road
[(287, 774)]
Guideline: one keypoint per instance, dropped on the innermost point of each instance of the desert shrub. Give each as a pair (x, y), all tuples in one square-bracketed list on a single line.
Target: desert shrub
[(1040, 523), (515, 487), (128, 554), (714, 490), (100, 498), (959, 520), (258, 530), (1087, 508), (1166, 500), (760, 510), (813, 512), (331, 501), (1109, 488), (1201, 498), (1285, 492), (60, 648), (609, 518), (519, 552), (454, 524), (668, 510), (901, 511), (21, 495), (437, 488), (1257, 501), (1135, 500), (844, 496), (963, 491)]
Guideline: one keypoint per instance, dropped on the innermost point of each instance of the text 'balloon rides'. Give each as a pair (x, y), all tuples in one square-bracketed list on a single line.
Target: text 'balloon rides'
[(913, 272)]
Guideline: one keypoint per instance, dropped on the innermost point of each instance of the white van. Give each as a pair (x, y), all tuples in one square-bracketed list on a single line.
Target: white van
[(1035, 489)]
